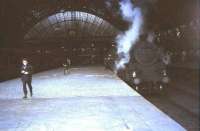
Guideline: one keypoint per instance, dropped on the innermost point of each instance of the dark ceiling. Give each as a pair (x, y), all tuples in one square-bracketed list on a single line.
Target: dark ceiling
[(19, 16)]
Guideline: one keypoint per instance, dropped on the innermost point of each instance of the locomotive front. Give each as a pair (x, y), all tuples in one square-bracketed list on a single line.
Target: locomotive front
[(147, 67)]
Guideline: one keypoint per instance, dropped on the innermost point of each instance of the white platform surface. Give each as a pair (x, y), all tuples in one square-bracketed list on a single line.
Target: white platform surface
[(86, 99)]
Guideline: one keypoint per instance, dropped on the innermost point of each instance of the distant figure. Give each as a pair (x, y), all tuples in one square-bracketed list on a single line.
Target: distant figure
[(167, 58), (26, 77), (183, 55), (67, 65), (106, 62)]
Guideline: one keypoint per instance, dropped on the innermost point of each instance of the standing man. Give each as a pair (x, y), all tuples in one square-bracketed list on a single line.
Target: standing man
[(26, 77), (166, 58), (106, 62), (66, 65)]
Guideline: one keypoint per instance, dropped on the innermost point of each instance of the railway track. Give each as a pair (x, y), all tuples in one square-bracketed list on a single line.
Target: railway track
[(182, 115)]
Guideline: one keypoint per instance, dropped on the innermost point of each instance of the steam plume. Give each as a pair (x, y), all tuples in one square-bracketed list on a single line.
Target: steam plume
[(126, 40)]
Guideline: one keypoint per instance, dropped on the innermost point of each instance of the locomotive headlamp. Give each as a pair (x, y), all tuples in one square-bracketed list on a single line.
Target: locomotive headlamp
[(134, 74), (161, 87), (164, 73), (165, 79), (136, 81), (137, 88)]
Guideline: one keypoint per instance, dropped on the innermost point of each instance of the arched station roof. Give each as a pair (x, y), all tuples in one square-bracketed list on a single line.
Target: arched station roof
[(71, 24)]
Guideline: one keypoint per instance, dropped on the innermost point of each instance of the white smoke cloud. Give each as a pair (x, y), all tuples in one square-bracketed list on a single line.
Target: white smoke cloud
[(126, 40)]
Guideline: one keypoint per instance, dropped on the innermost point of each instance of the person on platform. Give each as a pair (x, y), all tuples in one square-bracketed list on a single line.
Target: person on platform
[(106, 62), (166, 58), (66, 65), (26, 77)]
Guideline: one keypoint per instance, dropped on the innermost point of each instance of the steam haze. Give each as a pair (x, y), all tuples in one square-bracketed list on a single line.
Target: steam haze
[(126, 40)]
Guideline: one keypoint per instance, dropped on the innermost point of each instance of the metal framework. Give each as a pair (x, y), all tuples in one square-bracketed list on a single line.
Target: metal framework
[(71, 24)]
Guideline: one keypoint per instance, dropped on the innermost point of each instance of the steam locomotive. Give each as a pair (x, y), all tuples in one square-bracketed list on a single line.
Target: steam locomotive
[(146, 69)]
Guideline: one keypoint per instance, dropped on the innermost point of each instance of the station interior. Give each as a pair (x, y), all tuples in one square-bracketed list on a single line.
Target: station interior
[(134, 65)]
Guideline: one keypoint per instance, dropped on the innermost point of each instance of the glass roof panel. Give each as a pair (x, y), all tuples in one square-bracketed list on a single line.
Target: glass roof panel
[(83, 23)]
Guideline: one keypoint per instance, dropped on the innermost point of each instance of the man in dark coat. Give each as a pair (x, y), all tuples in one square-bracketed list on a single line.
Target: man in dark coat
[(26, 77), (66, 65)]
